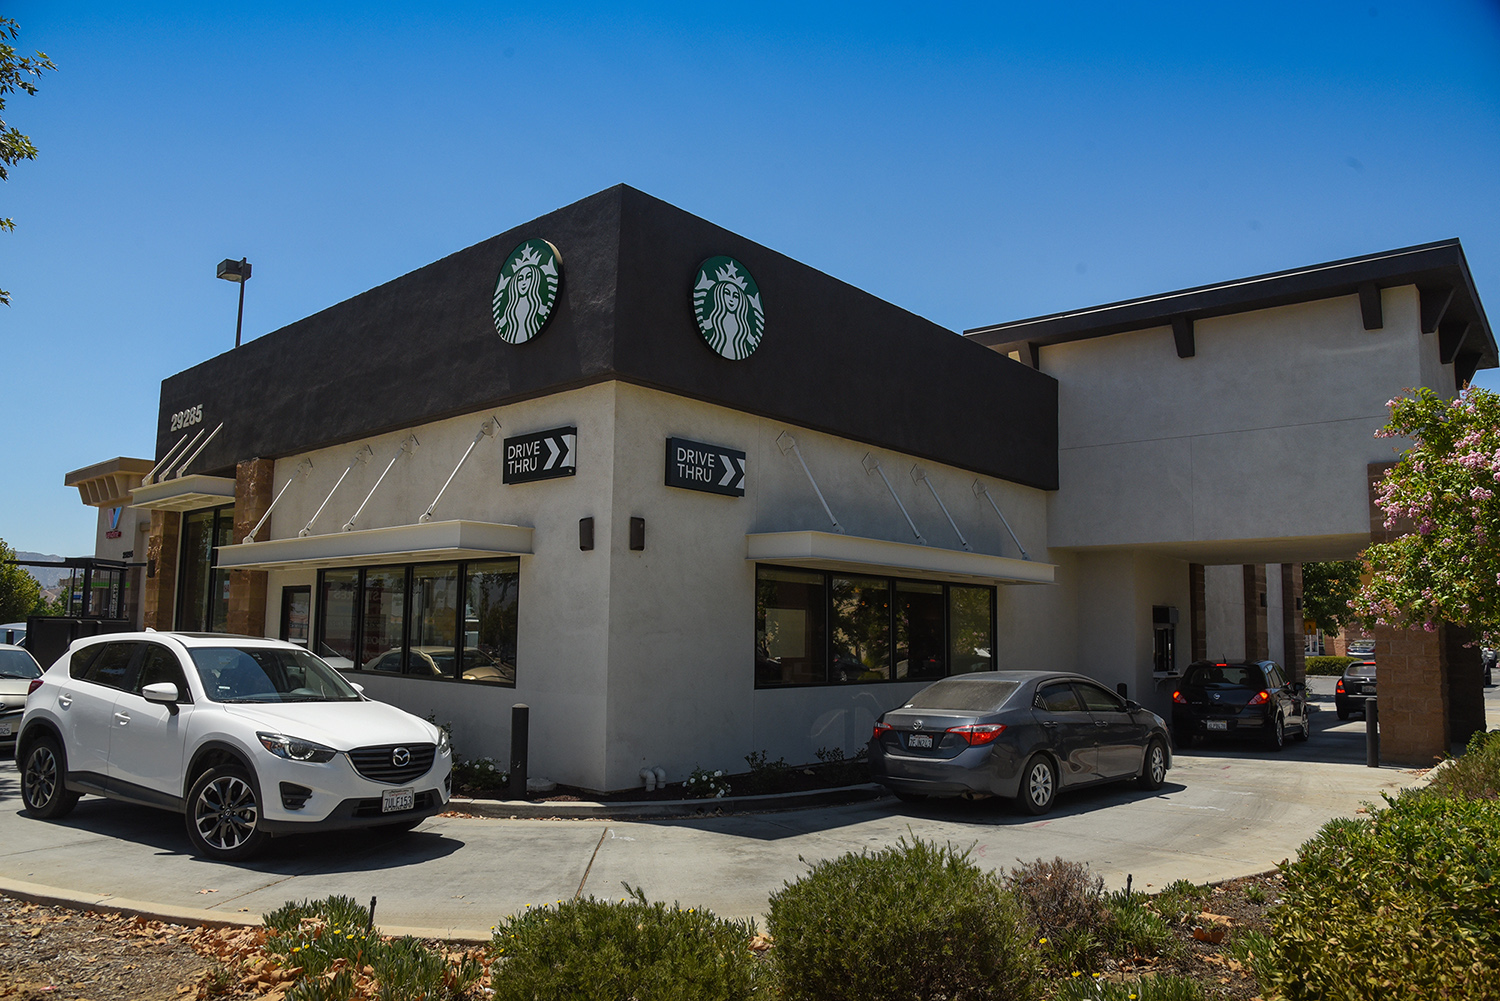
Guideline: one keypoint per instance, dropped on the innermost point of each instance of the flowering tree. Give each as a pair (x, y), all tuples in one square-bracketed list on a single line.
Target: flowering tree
[(1443, 491)]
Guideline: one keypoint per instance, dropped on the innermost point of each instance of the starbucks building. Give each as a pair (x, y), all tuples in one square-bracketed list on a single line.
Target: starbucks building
[(690, 499)]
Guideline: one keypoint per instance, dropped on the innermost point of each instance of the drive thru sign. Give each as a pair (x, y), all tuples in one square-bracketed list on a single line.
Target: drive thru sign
[(694, 465), (541, 455)]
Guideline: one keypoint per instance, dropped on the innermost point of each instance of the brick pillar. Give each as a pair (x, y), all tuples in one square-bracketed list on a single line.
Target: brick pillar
[(1465, 684), (1293, 640), (1257, 647), (247, 588), (1198, 613), (159, 595)]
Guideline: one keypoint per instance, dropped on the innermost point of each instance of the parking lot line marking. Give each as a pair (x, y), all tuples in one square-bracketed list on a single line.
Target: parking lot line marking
[(590, 866)]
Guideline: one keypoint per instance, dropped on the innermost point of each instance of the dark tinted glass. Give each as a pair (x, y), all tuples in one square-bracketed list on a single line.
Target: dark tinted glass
[(159, 665), (791, 638), (1096, 699), (339, 614), (1222, 676), (861, 629), (83, 661), (490, 595), (971, 633), (232, 674), (967, 695), (1361, 670), (18, 664), (111, 666), (1059, 698), (919, 630), (384, 613)]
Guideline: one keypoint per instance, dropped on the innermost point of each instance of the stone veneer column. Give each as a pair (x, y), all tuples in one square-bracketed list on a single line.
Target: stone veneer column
[(1410, 673), (158, 597), (1293, 640), (1198, 614), (247, 588), (1257, 646)]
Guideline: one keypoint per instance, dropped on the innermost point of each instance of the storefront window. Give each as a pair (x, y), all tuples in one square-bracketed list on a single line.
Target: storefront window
[(919, 630), (861, 629), (489, 640), (791, 639), (437, 620), (338, 614), (384, 615), (203, 589), (971, 619), (817, 628)]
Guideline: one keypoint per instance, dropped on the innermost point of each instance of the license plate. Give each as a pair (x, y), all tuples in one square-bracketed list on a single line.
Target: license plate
[(4, 729), (1218, 724), (919, 740), (396, 800), (1367, 689)]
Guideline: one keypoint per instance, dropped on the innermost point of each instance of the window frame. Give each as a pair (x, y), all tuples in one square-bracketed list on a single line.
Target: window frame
[(892, 581)]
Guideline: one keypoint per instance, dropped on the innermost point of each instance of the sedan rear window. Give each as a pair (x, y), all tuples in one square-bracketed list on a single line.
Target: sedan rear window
[(1366, 670), (267, 674), (1223, 676), (18, 664), (964, 695)]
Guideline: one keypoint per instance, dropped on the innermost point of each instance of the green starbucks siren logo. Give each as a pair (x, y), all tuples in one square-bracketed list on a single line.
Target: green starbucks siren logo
[(526, 290), (726, 301)]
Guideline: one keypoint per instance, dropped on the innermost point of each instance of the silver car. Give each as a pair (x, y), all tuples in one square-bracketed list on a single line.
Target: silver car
[(1022, 734), (18, 669)]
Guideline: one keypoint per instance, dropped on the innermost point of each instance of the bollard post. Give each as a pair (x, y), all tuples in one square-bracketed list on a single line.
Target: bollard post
[(1372, 734), (520, 727)]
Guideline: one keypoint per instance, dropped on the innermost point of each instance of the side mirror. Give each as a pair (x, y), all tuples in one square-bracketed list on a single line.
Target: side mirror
[(1299, 687), (357, 687), (1131, 705), (162, 693)]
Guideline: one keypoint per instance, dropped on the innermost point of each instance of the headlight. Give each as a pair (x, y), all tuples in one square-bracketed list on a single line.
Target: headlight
[(295, 750), (444, 746)]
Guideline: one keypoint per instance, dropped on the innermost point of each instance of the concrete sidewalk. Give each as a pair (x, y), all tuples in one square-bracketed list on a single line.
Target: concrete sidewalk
[(1225, 811)]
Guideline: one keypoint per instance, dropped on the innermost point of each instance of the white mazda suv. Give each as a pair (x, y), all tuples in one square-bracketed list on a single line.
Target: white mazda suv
[(247, 738)]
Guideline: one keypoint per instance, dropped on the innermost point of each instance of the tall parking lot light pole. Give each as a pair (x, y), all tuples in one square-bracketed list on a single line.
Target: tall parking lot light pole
[(236, 271)]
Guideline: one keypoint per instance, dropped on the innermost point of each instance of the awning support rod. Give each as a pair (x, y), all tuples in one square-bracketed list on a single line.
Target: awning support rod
[(302, 467), (980, 490), (787, 443), (919, 475), (487, 429), (872, 465), (182, 466), (409, 445), (169, 457), (365, 454)]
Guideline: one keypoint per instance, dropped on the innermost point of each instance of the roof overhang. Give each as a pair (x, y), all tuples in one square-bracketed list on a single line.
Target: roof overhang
[(435, 541), (828, 551), (108, 483), (1450, 305), (185, 493)]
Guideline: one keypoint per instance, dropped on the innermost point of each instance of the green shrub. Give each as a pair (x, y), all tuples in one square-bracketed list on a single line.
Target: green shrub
[(1163, 988), (1180, 902), (1474, 775), (1329, 665), (632, 949), (1133, 930), (1400, 905), (911, 921), (764, 776), (1064, 902), (1253, 950)]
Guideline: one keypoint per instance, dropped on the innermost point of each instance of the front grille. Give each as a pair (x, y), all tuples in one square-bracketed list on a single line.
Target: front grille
[(375, 763), (371, 807)]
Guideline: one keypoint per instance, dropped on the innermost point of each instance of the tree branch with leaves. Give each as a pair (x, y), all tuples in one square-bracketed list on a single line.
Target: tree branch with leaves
[(16, 73)]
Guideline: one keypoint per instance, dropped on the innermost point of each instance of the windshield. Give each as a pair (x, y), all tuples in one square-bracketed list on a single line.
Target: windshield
[(18, 664), (963, 695), (261, 674), (1223, 676)]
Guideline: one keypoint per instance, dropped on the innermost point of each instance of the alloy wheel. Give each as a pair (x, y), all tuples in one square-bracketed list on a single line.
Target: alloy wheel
[(39, 783), (1158, 764), (225, 813)]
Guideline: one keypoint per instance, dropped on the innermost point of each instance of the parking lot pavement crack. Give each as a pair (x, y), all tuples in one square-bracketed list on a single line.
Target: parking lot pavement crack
[(589, 868), (48, 848)]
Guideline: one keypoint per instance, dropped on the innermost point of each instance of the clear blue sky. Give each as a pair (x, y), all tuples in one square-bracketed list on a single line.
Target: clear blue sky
[(972, 165)]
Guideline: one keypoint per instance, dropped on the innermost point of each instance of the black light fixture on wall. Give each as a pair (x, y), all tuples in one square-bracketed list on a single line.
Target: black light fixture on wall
[(236, 271)]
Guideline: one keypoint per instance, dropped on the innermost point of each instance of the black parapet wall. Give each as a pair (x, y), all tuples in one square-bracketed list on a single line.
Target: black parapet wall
[(424, 347)]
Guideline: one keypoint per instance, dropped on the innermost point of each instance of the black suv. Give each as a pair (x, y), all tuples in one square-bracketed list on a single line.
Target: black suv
[(1239, 699)]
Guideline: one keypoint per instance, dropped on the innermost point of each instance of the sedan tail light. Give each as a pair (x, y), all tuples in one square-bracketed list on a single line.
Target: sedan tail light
[(1179, 698), (880, 728), (1259, 699), (35, 684), (1339, 688), (978, 733)]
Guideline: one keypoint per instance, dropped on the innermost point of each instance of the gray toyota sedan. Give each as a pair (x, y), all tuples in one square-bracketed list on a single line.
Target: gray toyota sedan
[(1027, 735)]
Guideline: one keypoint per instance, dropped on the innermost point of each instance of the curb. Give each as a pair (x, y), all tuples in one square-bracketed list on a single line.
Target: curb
[(525, 810)]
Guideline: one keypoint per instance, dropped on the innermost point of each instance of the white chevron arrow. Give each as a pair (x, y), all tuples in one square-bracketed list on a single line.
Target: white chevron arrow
[(728, 469), (551, 459), (569, 441)]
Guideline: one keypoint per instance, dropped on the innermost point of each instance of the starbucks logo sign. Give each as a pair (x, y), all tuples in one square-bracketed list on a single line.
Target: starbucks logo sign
[(726, 301), (526, 290)]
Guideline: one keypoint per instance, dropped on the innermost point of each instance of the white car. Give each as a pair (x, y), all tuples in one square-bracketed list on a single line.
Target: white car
[(247, 738)]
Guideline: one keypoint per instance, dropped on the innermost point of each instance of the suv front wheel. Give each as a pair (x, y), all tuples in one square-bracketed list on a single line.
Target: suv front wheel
[(223, 814), (42, 788)]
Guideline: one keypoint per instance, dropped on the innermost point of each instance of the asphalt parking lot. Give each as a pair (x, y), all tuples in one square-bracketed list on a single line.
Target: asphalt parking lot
[(1226, 810)]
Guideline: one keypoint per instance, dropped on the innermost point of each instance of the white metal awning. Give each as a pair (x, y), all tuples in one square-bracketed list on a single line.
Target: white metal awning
[(852, 554), (434, 541), (185, 493)]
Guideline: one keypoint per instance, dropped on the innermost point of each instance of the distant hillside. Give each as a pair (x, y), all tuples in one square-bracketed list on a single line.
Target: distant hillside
[(46, 576)]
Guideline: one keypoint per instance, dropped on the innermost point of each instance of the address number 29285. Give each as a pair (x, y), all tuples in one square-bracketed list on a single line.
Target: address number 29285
[(187, 418)]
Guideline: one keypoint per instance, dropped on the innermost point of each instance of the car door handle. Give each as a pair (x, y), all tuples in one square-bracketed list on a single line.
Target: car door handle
[(1049, 723), (122, 718), (1100, 722), (65, 700)]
